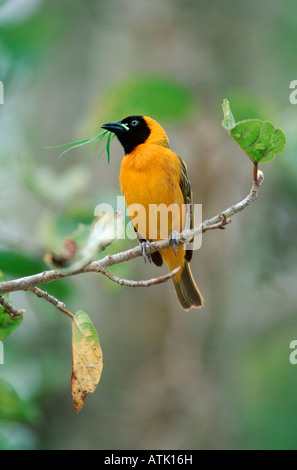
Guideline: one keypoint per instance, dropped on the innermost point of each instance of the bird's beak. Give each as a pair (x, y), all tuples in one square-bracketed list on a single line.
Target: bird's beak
[(115, 126)]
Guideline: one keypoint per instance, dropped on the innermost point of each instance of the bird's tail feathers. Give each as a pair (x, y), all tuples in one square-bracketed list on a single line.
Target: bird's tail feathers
[(186, 290)]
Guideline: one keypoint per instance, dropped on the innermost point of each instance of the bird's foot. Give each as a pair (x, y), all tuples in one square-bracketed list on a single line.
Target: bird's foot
[(144, 245), (174, 239)]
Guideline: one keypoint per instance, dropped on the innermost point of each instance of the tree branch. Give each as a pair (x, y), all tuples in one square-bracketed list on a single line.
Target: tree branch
[(13, 312), (52, 300), (217, 222), (147, 283)]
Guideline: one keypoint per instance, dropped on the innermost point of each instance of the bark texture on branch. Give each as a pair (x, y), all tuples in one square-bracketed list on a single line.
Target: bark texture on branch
[(100, 266)]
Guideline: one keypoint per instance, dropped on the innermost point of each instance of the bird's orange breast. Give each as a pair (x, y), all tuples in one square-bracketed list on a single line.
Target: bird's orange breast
[(149, 177)]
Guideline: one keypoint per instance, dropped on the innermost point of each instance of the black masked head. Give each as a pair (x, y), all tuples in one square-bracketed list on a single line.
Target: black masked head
[(131, 131)]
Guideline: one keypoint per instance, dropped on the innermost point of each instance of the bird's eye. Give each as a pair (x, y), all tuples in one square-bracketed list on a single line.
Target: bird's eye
[(134, 123)]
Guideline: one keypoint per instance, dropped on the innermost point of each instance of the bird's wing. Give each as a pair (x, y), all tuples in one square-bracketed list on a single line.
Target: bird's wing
[(185, 186)]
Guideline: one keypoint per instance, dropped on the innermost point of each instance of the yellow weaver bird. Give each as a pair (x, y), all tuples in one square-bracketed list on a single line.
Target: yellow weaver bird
[(152, 174)]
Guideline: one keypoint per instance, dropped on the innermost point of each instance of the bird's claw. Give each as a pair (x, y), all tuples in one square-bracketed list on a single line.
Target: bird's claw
[(144, 246), (175, 241)]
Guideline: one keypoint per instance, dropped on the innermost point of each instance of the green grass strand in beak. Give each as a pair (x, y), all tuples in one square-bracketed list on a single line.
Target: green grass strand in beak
[(109, 139), (80, 143)]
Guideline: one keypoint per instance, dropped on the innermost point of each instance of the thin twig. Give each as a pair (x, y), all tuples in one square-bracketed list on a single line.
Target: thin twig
[(255, 173), (216, 222), (12, 311), (49, 298), (220, 225), (145, 283)]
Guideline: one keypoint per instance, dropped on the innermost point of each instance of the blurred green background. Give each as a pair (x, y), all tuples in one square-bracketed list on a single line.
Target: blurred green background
[(219, 378)]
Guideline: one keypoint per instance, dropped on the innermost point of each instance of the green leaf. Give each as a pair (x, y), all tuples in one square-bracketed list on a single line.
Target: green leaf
[(159, 97), (228, 121), (86, 359), (12, 407), (20, 264), (246, 103), (3, 279), (260, 140), (8, 324)]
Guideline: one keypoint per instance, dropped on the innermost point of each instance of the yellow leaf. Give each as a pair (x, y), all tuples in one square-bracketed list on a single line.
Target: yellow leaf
[(86, 359)]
